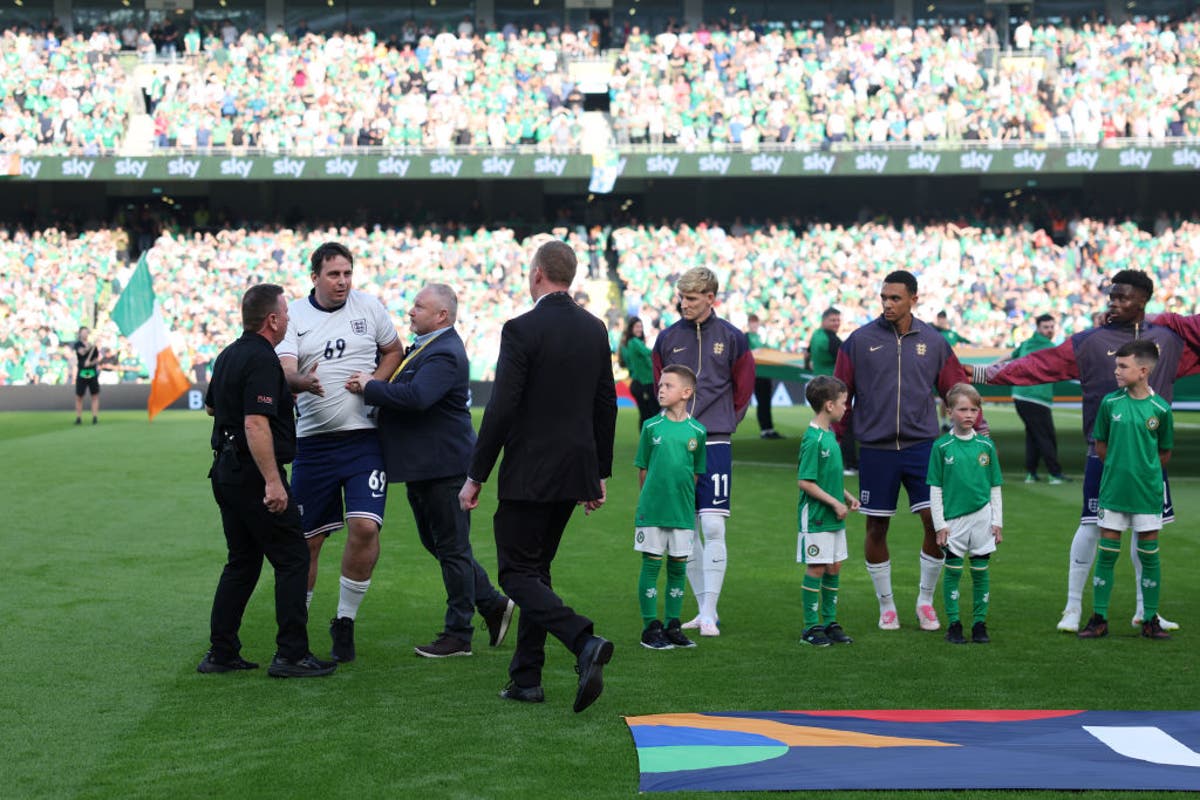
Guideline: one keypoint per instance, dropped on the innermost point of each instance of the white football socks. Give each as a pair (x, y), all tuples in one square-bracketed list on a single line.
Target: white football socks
[(714, 562), (931, 570), (350, 596), (881, 577), (1083, 554)]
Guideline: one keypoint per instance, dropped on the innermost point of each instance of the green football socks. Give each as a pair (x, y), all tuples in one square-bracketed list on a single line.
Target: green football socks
[(951, 577), (812, 600), (829, 598), (676, 583), (648, 587), (1102, 581), (981, 582), (1151, 576)]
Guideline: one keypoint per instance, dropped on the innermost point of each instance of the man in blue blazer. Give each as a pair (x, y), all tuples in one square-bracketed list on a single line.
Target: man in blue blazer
[(425, 426)]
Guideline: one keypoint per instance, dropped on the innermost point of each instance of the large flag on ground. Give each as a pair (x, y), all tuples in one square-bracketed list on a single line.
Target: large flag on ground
[(918, 749), (137, 316)]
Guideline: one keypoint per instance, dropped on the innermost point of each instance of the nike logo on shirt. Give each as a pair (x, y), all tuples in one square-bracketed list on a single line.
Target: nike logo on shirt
[(678, 349), (876, 347), (302, 333), (1112, 352)]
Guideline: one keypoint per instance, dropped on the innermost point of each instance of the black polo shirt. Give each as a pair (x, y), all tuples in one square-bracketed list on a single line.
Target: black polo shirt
[(248, 379)]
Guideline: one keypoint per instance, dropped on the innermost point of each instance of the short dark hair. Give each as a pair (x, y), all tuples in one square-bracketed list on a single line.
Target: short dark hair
[(557, 262), (1135, 278), (1040, 318), (903, 276), (823, 389), (830, 312), (686, 373), (753, 318), (1144, 352), (941, 314), (327, 251), (258, 303)]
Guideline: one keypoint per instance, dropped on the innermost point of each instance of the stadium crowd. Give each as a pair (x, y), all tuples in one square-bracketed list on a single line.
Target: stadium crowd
[(800, 86), (991, 279)]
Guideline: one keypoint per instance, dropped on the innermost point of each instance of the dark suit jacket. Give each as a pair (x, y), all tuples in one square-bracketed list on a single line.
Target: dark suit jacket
[(553, 408), (424, 413)]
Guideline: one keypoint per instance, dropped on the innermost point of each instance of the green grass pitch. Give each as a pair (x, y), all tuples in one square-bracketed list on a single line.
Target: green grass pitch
[(114, 548)]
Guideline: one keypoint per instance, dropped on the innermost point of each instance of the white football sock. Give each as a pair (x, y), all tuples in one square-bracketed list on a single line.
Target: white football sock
[(350, 596), (308, 600), (1083, 554), (1137, 575), (931, 570), (714, 562), (881, 576), (695, 564)]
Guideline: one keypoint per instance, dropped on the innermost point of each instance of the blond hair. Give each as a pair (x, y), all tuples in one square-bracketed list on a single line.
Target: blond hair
[(963, 390), (698, 279)]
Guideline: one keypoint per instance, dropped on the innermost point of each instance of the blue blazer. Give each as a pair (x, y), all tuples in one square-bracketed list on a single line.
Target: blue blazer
[(424, 413)]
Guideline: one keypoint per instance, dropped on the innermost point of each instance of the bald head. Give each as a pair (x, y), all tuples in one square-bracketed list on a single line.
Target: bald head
[(435, 307)]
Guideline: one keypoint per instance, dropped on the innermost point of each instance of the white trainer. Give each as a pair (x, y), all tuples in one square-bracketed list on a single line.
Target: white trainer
[(889, 621), (1163, 622), (709, 628), (1070, 620), (691, 624), (928, 618)]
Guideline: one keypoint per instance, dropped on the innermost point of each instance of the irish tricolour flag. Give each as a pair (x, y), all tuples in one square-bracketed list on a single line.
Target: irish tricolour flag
[(139, 319)]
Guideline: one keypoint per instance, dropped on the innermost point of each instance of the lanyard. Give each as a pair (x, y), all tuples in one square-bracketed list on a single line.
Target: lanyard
[(408, 358)]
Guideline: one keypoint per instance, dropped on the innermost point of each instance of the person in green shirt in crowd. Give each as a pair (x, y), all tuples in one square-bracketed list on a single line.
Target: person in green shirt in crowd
[(819, 360), (764, 388), (1034, 404), (634, 356)]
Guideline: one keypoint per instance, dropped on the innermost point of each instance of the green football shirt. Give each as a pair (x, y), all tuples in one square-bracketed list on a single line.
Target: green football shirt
[(821, 463), (1135, 430), (966, 469), (1042, 393), (672, 453), (823, 361)]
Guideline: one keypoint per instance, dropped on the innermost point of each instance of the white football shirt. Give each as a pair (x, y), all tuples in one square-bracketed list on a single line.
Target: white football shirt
[(341, 342)]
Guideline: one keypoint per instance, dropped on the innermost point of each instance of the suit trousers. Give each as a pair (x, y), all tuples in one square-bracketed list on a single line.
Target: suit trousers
[(1041, 440), (527, 538), (445, 531), (764, 390), (252, 532)]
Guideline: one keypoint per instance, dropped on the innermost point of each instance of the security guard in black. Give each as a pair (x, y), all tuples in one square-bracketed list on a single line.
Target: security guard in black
[(253, 436)]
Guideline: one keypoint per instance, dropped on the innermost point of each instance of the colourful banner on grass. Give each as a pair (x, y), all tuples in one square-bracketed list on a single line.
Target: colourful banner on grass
[(918, 749)]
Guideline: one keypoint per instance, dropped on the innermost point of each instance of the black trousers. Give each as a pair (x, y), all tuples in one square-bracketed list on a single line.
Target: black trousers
[(647, 402), (445, 531), (527, 539), (1041, 440), (252, 532), (763, 390)]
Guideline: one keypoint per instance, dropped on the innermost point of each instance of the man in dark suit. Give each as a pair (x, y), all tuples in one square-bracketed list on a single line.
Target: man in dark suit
[(425, 425), (553, 411)]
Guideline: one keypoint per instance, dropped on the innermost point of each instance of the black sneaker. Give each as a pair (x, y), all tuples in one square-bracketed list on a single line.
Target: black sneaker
[(816, 637), (835, 634), (444, 646), (954, 634), (498, 622), (1152, 629), (341, 630), (675, 635), (78, 421), (531, 694), (771, 433), (1097, 628), (307, 667), (979, 633), (210, 665), (655, 638)]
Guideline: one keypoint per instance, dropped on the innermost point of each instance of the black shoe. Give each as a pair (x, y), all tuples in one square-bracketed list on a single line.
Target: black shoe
[(94, 420), (771, 433), (341, 630), (1152, 629), (816, 637), (979, 633), (835, 634), (655, 638), (78, 421), (307, 667), (210, 665), (1097, 628), (590, 666), (533, 694), (444, 646), (498, 621), (954, 634), (675, 635)]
